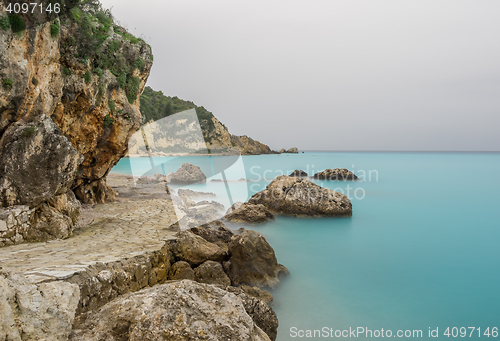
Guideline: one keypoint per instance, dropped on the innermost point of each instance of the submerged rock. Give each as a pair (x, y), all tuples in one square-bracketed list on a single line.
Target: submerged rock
[(252, 261), (183, 310), (188, 174), (249, 213), (299, 196), (336, 174), (190, 194)]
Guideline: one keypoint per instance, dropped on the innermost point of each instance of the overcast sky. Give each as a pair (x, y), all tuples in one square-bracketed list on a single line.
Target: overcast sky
[(331, 74)]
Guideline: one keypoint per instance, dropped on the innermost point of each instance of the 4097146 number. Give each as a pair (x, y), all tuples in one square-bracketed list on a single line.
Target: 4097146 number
[(32, 7)]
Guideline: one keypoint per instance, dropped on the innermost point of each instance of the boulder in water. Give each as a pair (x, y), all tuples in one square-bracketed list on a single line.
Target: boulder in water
[(299, 196), (338, 174), (187, 174)]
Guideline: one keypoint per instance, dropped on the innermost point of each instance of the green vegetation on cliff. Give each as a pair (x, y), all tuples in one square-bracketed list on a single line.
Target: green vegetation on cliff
[(155, 105)]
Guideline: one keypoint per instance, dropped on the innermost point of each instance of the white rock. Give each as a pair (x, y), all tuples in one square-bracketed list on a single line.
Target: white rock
[(36, 312), (3, 226)]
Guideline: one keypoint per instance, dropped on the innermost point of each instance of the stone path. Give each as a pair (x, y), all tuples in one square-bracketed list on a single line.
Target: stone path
[(137, 223)]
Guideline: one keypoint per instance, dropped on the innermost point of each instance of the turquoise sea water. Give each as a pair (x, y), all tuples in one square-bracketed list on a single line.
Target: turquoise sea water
[(421, 249)]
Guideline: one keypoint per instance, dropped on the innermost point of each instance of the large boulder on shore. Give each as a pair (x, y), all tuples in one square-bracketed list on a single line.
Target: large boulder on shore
[(181, 270), (188, 174), (299, 196), (214, 232), (43, 311), (248, 213), (259, 310), (211, 272), (253, 261), (195, 250), (183, 310), (336, 174), (36, 163)]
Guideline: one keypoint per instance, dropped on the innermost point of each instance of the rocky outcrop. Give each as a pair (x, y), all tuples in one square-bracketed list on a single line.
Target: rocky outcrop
[(54, 219), (299, 173), (214, 232), (195, 250), (249, 146), (188, 174), (252, 261), (299, 196), (178, 310), (249, 213), (43, 311), (37, 163), (336, 174), (293, 150), (37, 168), (262, 314), (60, 76), (214, 135), (181, 270), (211, 272)]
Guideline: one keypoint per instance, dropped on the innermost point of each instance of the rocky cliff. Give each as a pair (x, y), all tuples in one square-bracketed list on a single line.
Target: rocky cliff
[(81, 71), (155, 106)]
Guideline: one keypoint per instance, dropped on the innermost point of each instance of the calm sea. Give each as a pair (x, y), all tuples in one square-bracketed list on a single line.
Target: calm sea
[(422, 249)]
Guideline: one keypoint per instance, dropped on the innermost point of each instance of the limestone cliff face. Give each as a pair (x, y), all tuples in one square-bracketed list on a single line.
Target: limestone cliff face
[(88, 104), (81, 72)]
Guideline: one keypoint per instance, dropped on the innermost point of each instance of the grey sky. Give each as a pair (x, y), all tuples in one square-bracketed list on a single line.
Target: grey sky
[(331, 74)]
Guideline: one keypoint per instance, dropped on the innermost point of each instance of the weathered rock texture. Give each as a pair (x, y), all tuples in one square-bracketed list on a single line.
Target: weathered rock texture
[(183, 310), (298, 173), (299, 196), (37, 168), (253, 261), (37, 163), (181, 270), (47, 77), (211, 273), (336, 174), (214, 232), (249, 213), (195, 250), (188, 174), (15, 222), (43, 311), (262, 314)]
